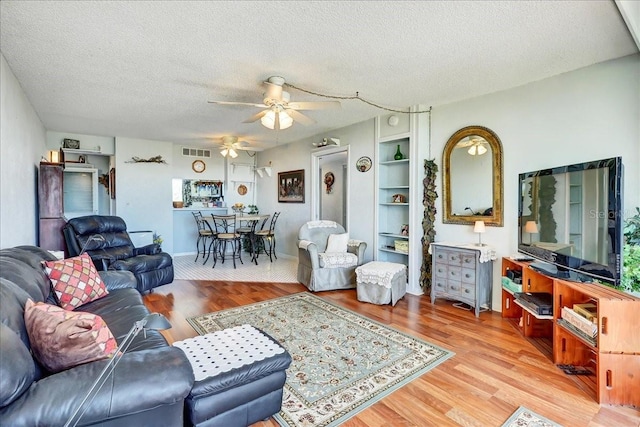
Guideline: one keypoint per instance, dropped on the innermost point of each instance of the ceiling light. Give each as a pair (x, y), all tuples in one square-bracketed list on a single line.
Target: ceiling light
[(269, 120), (477, 150), (230, 151)]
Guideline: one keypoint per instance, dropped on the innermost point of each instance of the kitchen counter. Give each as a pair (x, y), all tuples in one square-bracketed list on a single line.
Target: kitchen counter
[(185, 230)]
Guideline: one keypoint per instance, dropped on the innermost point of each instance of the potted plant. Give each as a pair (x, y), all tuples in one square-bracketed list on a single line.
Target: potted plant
[(631, 254), (253, 210)]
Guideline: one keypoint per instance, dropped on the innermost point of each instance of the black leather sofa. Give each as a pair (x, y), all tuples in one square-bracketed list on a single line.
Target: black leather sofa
[(148, 386), (107, 242)]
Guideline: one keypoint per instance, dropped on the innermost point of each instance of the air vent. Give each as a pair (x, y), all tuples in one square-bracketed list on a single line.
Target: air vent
[(196, 152)]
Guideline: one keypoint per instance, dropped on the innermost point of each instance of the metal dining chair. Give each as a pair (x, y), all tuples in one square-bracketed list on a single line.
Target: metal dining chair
[(264, 236), (205, 232), (225, 229)]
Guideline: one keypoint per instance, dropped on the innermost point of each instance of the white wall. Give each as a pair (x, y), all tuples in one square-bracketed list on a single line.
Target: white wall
[(588, 114), (143, 190), (22, 144), (360, 138)]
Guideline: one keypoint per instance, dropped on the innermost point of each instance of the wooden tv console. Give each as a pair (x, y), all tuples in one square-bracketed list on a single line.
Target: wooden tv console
[(612, 357)]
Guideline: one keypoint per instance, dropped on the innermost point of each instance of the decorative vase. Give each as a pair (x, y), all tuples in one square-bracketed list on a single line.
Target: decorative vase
[(398, 155)]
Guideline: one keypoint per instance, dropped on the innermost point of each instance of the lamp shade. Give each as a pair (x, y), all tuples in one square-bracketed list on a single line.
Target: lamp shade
[(531, 227), (479, 227)]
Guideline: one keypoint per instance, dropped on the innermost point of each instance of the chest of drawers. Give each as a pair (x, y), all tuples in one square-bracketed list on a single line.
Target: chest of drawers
[(459, 275)]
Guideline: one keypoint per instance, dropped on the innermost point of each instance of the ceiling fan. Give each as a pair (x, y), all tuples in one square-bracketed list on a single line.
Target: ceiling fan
[(229, 146), (279, 112), (477, 145)]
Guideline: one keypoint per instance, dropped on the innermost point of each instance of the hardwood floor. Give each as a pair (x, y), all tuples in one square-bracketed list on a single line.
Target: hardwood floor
[(494, 371)]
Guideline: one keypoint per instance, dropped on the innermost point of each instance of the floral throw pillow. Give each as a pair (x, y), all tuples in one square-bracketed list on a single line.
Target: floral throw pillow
[(75, 281), (61, 339)]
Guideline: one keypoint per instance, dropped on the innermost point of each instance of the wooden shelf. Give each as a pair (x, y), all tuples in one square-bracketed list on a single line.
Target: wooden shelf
[(534, 314), (613, 357), (80, 151)]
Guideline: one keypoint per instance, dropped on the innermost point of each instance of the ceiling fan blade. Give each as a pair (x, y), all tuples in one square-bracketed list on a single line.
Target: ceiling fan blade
[(299, 117), (256, 117), (249, 148), (237, 103), (326, 105)]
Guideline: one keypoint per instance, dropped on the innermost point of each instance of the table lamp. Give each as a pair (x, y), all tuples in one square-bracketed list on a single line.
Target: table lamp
[(479, 228), (532, 228), (151, 321)]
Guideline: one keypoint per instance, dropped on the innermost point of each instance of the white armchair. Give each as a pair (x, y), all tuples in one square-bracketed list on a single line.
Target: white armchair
[(327, 258)]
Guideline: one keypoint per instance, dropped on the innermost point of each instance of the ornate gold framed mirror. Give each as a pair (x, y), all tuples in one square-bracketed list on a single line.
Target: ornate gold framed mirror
[(472, 177)]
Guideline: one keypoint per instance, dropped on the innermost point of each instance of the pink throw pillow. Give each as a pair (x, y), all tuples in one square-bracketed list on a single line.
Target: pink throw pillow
[(61, 339), (75, 281)]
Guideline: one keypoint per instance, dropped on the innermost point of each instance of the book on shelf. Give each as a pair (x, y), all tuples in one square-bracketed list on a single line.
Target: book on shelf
[(587, 310), (583, 324)]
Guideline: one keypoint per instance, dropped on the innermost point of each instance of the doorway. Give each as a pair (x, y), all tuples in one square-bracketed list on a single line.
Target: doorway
[(330, 185)]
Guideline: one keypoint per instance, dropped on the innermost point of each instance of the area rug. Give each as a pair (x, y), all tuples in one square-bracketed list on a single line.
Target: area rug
[(524, 417), (342, 362)]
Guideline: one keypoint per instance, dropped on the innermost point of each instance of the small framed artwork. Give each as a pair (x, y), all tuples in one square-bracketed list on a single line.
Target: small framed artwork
[(291, 186)]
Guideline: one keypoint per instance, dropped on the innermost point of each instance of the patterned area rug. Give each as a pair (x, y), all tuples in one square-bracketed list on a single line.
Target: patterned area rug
[(524, 417), (342, 362)]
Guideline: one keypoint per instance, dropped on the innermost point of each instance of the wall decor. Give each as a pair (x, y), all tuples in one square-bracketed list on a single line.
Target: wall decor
[(71, 143), (242, 189), (291, 186), (198, 166), (363, 164), (154, 159), (428, 230), (329, 180), (472, 154)]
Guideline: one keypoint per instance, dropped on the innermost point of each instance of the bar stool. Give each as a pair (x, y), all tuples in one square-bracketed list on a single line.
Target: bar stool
[(225, 229), (204, 233), (270, 236)]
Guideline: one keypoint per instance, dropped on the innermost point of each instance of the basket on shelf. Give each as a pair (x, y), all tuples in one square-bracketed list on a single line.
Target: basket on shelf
[(401, 246)]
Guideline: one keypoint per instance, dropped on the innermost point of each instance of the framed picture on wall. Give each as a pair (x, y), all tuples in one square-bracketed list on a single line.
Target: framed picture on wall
[(291, 186)]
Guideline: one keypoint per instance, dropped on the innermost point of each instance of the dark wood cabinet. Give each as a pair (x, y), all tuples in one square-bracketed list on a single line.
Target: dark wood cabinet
[(51, 206)]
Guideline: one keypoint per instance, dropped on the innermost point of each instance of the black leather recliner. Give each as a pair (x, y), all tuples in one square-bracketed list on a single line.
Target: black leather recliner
[(107, 242)]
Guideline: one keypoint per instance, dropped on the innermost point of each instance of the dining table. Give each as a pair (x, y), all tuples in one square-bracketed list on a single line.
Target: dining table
[(246, 219)]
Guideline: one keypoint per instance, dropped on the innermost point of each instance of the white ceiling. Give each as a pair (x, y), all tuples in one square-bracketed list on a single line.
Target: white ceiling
[(147, 69)]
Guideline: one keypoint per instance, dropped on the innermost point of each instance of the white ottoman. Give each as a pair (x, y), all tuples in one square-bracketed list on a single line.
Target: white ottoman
[(381, 282)]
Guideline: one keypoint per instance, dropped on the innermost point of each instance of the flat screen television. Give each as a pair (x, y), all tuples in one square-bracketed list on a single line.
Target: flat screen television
[(571, 219)]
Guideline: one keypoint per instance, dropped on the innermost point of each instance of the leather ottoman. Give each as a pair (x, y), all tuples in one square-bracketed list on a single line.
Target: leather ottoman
[(239, 375)]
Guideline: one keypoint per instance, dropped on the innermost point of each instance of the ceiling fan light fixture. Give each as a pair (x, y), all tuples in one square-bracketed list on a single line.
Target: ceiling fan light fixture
[(477, 149), (269, 120), (224, 152), (233, 153)]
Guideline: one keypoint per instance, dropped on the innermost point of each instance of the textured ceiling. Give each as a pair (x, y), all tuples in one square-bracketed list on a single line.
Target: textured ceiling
[(147, 69)]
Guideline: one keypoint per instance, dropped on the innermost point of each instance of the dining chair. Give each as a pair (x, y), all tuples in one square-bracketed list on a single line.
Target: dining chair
[(226, 234), (264, 236), (205, 232)]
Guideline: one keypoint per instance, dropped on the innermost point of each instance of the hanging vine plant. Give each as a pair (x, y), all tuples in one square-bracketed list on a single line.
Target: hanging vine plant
[(429, 232)]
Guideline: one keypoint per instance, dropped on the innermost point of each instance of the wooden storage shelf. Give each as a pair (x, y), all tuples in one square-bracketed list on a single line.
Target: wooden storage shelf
[(613, 357)]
